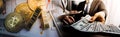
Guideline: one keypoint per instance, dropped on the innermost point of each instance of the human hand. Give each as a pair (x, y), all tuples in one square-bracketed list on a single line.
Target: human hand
[(98, 16), (68, 20)]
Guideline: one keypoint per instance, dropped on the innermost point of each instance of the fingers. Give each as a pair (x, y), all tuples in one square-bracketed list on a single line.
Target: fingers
[(73, 12), (99, 16), (68, 20), (65, 22), (93, 19), (72, 18)]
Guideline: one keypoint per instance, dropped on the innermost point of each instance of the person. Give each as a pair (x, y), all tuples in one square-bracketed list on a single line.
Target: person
[(94, 8), (75, 11), (97, 10)]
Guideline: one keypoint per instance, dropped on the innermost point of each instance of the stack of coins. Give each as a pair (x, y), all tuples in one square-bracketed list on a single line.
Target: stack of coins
[(27, 13)]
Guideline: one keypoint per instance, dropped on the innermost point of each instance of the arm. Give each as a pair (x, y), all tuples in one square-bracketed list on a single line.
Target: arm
[(100, 15), (101, 8)]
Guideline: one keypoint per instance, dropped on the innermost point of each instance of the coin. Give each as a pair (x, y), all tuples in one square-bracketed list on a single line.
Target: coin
[(29, 16), (33, 19), (13, 22), (23, 9), (34, 4)]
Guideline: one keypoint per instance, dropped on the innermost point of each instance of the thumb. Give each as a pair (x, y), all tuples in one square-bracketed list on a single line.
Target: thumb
[(93, 18)]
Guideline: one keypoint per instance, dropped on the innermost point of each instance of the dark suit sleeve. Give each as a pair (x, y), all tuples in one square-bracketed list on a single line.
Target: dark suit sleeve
[(101, 7), (81, 6)]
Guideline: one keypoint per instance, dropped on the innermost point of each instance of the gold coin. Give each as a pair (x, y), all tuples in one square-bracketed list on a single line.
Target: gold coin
[(13, 22), (34, 4), (28, 15), (24, 11)]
